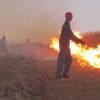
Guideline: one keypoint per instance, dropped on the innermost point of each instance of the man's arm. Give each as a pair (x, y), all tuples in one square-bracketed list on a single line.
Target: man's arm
[(74, 38)]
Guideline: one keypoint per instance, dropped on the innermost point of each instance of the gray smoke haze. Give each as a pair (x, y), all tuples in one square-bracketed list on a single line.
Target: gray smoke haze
[(39, 19)]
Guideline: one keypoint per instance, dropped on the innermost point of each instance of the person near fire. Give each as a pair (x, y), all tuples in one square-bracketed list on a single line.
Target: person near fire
[(64, 58)]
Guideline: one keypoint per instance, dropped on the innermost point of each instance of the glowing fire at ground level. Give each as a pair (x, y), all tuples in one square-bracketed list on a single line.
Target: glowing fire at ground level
[(84, 55)]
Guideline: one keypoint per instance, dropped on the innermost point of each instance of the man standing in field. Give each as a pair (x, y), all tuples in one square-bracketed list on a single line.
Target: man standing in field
[(64, 57)]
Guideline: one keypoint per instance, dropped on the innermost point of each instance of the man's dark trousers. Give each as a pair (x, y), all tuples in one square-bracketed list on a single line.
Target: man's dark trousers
[(64, 61)]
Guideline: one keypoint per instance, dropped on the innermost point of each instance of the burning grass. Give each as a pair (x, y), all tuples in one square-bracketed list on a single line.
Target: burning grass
[(85, 55)]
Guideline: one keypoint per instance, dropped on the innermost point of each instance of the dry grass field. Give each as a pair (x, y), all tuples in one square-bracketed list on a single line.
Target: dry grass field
[(28, 79), (23, 79)]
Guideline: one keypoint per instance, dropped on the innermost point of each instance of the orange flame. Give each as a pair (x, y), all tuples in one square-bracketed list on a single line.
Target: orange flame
[(54, 43), (85, 56)]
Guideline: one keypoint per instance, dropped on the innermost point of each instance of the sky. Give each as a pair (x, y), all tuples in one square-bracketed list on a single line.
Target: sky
[(41, 19)]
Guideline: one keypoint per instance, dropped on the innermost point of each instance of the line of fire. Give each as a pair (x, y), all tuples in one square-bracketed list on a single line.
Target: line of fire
[(85, 55)]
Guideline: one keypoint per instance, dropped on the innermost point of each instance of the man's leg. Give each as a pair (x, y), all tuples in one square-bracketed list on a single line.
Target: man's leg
[(67, 64), (60, 63)]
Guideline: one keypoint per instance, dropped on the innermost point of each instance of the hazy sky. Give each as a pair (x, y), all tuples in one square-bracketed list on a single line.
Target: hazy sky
[(39, 19)]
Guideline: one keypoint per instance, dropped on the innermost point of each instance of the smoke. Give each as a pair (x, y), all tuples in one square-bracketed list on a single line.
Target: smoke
[(21, 19)]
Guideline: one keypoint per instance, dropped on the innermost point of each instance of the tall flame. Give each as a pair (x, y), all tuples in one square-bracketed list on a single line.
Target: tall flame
[(84, 55)]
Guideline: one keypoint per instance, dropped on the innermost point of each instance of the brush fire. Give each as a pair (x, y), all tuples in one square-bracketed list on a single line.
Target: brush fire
[(86, 56)]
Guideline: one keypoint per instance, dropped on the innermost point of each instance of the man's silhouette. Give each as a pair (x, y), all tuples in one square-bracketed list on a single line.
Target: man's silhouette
[(64, 57)]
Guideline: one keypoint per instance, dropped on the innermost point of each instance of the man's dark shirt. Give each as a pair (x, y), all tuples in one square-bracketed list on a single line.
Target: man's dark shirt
[(67, 35)]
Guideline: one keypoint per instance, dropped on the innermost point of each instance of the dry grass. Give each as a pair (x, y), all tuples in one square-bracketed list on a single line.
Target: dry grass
[(26, 79), (21, 79)]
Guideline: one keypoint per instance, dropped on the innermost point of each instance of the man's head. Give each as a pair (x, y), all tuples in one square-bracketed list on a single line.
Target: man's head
[(68, 16)]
